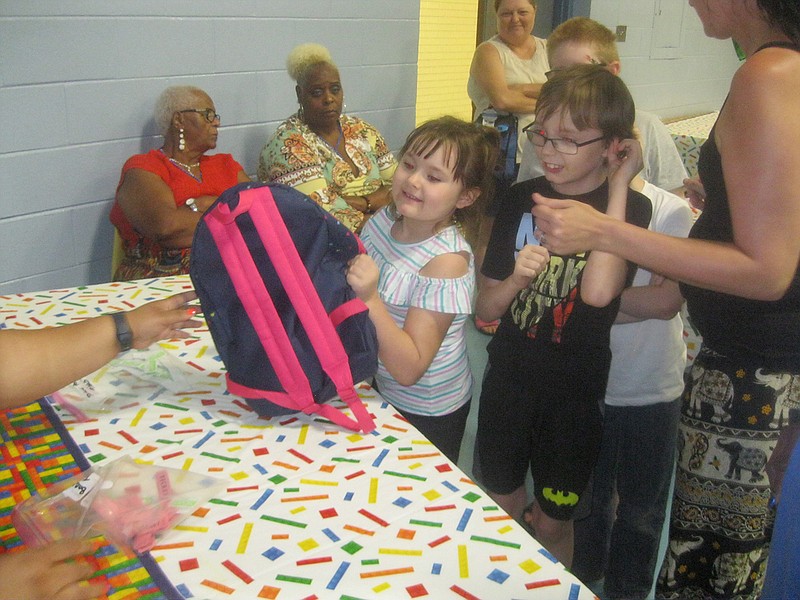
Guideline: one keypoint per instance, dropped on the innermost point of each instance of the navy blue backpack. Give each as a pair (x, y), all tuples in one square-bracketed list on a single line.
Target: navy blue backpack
[(268, 265)]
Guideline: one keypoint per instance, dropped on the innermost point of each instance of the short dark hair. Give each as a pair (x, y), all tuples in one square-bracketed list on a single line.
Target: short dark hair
[(593, 97)]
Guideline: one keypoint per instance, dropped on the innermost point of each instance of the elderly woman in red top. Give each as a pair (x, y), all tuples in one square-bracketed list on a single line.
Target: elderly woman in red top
[(162, 194)]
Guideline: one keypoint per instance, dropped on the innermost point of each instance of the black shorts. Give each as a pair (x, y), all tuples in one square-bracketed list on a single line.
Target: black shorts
[(546, 417), (444, 431)]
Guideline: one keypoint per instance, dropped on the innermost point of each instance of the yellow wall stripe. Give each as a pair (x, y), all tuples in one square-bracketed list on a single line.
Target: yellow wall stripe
[(447, 33)]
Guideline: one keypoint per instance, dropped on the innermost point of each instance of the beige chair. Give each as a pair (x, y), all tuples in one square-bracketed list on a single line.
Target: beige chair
[(117, 253)]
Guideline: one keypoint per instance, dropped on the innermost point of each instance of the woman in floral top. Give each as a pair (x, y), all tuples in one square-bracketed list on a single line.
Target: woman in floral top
[(340, 161)]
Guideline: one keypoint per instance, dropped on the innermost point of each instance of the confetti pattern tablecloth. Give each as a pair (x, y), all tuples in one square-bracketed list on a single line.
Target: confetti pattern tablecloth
[(689, 135), (310, 510)]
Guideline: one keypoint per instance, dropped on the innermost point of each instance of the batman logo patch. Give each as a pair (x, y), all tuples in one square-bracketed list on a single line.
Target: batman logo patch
[(560, 497)]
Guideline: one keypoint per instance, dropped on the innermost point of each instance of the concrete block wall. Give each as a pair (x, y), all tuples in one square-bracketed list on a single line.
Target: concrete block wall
[(78, 81), (695, 77)]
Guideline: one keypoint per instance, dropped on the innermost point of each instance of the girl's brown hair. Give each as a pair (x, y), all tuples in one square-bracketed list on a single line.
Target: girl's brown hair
[(471, 152)]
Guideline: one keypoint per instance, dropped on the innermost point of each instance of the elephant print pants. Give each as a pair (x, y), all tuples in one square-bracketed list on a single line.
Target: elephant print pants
[(721, 522)]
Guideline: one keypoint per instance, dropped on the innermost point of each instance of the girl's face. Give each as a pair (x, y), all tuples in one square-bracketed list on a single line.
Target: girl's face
[(572, 173), (515, 18), (424, 190)]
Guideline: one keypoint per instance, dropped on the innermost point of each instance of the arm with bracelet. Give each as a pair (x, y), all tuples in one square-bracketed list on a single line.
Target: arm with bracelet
[(37, 362)]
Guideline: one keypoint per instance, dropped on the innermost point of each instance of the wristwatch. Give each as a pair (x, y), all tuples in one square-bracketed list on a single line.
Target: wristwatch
[(192, 204), (124, 333)]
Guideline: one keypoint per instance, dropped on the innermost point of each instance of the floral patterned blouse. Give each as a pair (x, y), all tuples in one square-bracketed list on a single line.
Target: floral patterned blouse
[(298, 157)]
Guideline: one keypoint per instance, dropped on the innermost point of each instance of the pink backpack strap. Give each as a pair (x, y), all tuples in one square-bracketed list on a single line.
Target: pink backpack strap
[(260, 205)]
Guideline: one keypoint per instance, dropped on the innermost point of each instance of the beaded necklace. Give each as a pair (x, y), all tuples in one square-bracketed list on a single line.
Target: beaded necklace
[(184, 167)]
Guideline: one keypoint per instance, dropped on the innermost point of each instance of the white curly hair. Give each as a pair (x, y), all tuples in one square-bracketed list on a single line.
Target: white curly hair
[(171, 100), (304, 57)]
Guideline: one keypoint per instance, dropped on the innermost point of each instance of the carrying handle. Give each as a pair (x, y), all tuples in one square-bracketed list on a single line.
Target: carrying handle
[(225, 214), (309, 308)]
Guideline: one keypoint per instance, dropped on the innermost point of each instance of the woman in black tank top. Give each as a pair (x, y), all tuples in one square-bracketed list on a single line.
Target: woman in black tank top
[(739, 274)]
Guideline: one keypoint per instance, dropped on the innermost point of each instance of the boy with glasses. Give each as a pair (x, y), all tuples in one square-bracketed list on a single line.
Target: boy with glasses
[(581, 40), (620, 543), (549, 360)]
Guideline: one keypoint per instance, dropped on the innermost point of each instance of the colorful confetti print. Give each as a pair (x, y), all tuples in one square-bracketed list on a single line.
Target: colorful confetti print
[(310, 510)]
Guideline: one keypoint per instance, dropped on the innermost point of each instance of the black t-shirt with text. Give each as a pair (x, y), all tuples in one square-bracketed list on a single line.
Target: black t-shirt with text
[(550, 310)]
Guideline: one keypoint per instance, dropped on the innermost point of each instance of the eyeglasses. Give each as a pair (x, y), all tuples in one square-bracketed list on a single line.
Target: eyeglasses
[(538, 138), (589, 61), (208, 113)]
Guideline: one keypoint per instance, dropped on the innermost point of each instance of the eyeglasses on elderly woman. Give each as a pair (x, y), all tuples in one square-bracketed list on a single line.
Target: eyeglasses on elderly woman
[(208, 113)]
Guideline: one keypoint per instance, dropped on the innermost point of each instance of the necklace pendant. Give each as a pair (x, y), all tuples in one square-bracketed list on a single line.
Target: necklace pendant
[(188, 169)]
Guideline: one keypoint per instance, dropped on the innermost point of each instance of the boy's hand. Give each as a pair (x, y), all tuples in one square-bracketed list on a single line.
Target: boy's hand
[(362, 276), (695, 192), (624, 162), (531, 261)]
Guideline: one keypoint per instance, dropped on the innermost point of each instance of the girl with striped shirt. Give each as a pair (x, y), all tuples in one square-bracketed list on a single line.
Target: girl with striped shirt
[(418, 276)]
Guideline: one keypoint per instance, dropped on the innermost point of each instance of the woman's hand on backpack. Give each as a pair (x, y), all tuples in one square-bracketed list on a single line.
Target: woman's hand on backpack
[(362, 276)]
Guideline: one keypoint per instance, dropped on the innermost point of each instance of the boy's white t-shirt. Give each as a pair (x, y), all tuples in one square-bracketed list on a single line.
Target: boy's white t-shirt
[(648, 357)]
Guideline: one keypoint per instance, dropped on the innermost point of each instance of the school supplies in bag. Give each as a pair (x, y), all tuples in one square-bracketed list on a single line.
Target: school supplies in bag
[(132, 504), (268, 265)]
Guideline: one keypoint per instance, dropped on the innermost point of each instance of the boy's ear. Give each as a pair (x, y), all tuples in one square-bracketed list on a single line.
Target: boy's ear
[(468, 197), (609, 148), (612, 147), (614, 67)]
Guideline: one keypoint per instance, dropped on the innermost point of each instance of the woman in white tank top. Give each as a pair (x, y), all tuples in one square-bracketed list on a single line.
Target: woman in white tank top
[(508, 70)]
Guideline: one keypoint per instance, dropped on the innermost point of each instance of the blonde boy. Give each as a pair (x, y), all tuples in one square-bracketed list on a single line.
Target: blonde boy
[(581, 40)]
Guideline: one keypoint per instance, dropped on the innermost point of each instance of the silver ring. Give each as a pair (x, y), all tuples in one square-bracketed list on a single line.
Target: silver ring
[(542, 240)]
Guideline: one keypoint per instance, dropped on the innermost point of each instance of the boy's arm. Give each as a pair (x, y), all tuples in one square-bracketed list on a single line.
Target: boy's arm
[(494, 296), (660, 299), (604, 275)]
